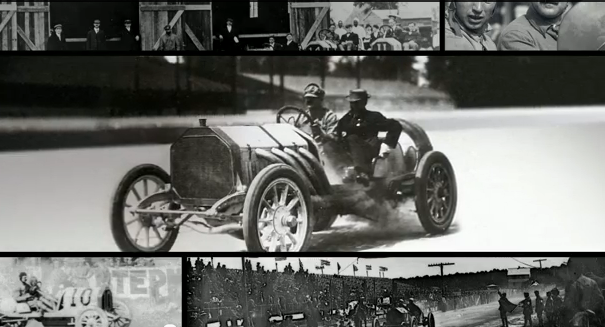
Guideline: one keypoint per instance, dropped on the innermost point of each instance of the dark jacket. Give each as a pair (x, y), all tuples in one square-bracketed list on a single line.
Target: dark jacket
[(96, 41), (367, 126), (293, 46), (228, 42), (350, 37), (56, 44), (128, 40)]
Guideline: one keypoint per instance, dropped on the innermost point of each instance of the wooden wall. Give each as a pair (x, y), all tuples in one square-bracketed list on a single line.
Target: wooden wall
[(302, 19), (153, 23), (32, 18)]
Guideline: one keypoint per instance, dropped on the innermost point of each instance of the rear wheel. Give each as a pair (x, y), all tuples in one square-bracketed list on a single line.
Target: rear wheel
[(120, 315), (436, 192), (127, 227), (278, 211)]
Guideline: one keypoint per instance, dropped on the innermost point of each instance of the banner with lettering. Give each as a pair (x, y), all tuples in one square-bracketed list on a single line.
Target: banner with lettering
[(139, 282)]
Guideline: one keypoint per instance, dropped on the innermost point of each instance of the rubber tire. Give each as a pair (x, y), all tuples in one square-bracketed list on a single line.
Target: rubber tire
[(127, 312), (431, 319), (253, 198), (420, 186), (117, 208)]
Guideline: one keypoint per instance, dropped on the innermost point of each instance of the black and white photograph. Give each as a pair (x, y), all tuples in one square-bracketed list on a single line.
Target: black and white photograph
[(302, 153), (231, 27), (396, 291), (524, 26), (85, 291)]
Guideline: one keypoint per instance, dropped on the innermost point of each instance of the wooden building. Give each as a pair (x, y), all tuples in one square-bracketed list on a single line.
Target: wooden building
[(27, 25)]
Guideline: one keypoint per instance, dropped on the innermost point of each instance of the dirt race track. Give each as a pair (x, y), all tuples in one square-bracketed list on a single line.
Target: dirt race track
[(532, 186)]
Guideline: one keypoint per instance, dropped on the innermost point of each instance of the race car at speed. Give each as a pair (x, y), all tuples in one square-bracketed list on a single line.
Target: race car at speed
[(79, 307), (269, 185), (389, 314)]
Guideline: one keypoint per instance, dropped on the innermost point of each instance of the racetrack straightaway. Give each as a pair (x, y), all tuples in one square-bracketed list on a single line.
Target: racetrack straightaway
[(532, 188)]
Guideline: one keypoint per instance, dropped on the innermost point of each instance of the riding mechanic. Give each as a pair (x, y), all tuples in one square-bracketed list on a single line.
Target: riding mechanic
[(358, 130)]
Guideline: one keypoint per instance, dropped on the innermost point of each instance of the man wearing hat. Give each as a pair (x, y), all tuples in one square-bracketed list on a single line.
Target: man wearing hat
[(169, 41), (128, 38), (505, 307), (527, 309), (290, 44), (539, 308), (96, 39), (324, 120), (359, 130), (583, 27), (538, 29), (56, 41), (467, 26), (229, 37), (557, 306), (414, 310)]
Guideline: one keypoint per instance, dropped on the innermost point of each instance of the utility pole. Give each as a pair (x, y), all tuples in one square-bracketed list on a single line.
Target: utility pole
[(540, 261), (441, 265), (245, 289)]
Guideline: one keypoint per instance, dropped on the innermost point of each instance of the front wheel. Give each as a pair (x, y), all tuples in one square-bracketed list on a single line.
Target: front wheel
[(120, 315), (278, 211), (92, 317), (126, 227), (436, 192)]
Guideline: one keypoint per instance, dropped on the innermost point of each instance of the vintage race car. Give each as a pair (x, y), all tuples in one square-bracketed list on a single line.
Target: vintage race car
[(270, 186), (79, 307), (387, 315)]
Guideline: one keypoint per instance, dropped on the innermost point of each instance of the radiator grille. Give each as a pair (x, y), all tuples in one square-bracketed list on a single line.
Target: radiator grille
[(202, 168)]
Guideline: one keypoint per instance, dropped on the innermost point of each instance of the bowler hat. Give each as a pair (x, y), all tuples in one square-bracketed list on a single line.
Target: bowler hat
[(57, 26), (358, 95)]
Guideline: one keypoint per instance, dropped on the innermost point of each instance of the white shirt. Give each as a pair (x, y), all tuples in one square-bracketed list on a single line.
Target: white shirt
[(340, 31), (229, 27), (360, 31), (128, 29), (96, 30)]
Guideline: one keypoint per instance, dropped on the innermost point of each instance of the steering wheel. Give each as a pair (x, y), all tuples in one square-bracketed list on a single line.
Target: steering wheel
[(294, 116), (322, 35)]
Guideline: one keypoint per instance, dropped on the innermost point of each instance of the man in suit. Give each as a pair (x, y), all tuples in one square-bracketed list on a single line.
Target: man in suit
[(229, 37), (350, 40), (128, 38), (56, 41), (290, 44), (274, 45), (96, 39)]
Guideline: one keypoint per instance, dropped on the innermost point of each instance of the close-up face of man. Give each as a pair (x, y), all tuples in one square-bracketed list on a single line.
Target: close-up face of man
[(358, 106), (548, 9), (332, 28), (340, 24), (312, 102), (229, 23), (58, 30), (392, 22), (97, 23), (289, 37), (474, 16), (24, 278), (349, 29), (271, 40), (355, 22)]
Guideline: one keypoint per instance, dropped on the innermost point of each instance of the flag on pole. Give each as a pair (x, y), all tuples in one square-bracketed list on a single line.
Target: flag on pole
[(338, 266), (355, 268), (368, 267), (384, 269), (281, 259), (319, 267), (325, 263)]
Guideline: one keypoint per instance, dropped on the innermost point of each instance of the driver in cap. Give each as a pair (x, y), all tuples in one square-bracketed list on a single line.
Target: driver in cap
[(324, 120), (583, 28)]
